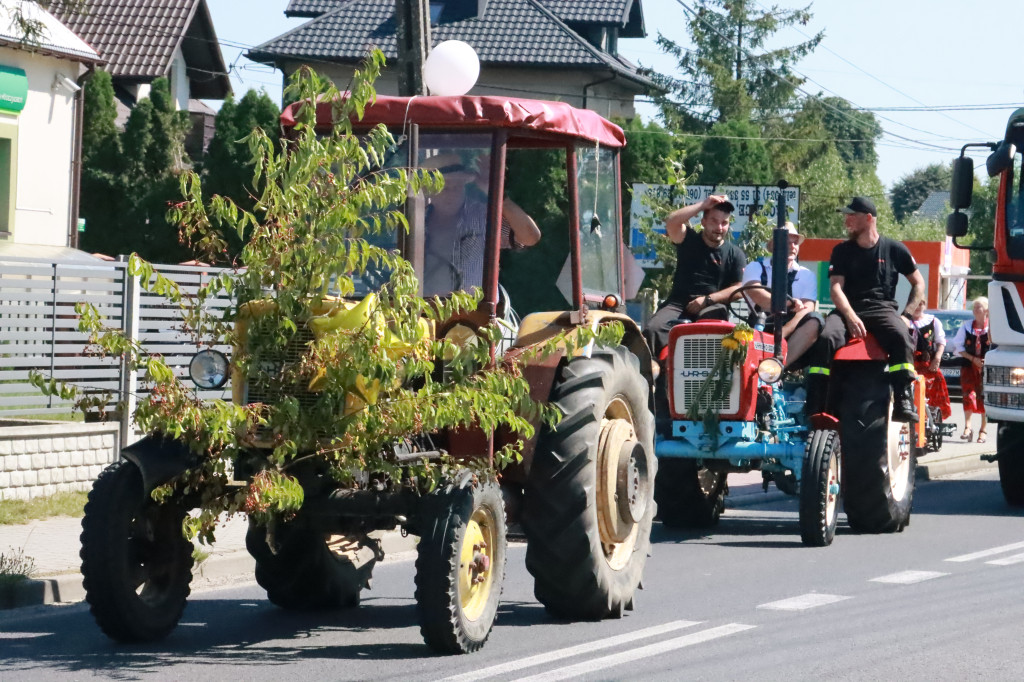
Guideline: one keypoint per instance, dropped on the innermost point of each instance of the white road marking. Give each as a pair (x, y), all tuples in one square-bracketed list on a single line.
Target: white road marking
[(1007, 560), (803, 602), (24, 635), (605, 662), (908, 577), (987, 552), (568, 652)]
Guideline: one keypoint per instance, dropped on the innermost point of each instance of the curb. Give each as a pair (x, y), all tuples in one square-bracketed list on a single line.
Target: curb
[(947, 466), (216, 570)]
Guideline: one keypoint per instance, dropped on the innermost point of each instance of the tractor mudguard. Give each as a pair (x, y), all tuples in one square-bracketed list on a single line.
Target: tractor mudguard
[(159, 459)]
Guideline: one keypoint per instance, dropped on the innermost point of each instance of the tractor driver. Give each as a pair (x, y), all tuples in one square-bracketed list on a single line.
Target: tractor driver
[(802, 323), (456, 225), (863, 272), (709, 269)]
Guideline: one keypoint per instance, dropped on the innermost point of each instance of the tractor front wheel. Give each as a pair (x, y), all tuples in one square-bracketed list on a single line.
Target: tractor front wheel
[(819, 488), (460, 565), (588, 503), (136, 563), (689, 495), (309, 570)]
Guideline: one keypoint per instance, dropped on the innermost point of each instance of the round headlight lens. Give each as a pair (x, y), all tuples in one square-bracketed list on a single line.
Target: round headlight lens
[(208, 369), (770, 370)]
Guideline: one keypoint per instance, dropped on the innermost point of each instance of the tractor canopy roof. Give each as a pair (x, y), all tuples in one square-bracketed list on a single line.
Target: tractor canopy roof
[(526, 115)]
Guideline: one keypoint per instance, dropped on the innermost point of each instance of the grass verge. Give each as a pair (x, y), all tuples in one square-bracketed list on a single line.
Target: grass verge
[(59, 504)]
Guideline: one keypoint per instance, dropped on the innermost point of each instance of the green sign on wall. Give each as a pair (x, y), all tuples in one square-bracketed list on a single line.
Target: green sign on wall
[(13, 89)]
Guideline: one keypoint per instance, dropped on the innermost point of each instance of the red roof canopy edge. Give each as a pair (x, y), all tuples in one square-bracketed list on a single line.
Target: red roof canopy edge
[(480, 112)]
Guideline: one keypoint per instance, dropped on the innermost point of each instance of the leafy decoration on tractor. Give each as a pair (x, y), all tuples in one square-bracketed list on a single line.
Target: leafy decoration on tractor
[(335, 385)]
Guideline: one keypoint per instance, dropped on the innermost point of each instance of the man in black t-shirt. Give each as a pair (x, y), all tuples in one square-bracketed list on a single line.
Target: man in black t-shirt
[(709, 269), (863, 272)]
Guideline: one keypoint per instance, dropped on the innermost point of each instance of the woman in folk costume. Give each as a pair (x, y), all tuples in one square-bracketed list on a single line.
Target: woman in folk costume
[(930, 343), (972, 342)]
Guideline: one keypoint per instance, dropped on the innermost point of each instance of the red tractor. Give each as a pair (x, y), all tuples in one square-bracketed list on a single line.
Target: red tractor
[(583, 492), (852, 451)]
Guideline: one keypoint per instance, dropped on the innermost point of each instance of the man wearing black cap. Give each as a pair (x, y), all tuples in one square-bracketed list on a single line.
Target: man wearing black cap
[(709, 269), (863, 272)]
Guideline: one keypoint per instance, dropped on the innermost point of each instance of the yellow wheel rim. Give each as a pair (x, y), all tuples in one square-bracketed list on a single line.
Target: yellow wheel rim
[(475, 559)]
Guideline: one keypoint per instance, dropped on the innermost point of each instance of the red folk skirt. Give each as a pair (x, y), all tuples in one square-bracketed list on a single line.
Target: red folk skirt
[(973, 392), (935, 390)]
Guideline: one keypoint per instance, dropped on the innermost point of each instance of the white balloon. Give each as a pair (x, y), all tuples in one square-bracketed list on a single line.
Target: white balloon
[(452, 68)]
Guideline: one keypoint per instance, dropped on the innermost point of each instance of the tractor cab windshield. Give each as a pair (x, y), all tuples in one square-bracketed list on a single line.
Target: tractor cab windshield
[(1015, 207)]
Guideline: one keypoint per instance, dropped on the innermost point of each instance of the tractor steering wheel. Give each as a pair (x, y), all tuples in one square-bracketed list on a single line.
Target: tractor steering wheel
[(750, 287)]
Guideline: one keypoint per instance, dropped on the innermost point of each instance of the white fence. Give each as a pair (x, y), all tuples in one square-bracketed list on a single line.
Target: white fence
[(39, 330)]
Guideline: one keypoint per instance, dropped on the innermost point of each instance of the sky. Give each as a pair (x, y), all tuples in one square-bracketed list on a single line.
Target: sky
[(879, 54)]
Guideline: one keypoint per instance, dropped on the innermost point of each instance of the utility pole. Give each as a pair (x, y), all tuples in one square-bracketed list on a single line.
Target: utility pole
[(412, 19)]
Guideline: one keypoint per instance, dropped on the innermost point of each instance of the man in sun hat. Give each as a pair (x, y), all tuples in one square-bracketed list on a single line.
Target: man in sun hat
[(863, 272), (802, 324)]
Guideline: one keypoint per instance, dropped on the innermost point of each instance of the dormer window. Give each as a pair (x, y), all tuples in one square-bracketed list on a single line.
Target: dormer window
[(436, 8)]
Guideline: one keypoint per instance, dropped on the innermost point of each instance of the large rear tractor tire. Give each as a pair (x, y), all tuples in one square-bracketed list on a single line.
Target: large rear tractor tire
[(688, 495), (819, 488), (878, 466), (307, 570), (1010, 454), (460, 565), (136, 564), (588, 504)]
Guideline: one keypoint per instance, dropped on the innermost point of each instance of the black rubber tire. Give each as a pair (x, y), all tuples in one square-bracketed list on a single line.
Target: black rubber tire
[(447, 518), (874, 501), (819, 508), (573, 575), (1010, 453), (689, 496), (310, 571), (136, 563)]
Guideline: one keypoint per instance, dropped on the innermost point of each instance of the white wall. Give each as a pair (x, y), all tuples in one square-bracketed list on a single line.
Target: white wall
[(179, 81), (611, 98), (45, 146)]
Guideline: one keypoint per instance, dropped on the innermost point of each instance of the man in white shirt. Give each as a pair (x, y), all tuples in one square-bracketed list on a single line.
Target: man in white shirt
[(802, 324)]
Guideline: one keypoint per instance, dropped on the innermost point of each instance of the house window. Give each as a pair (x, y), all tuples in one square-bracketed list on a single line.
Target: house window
[(435, 12), (8, 178)]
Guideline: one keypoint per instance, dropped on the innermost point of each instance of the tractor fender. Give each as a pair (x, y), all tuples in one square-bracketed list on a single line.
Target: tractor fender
[(539, 327), (160, 459)]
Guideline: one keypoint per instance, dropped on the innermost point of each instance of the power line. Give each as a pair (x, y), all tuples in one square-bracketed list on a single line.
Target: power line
[(799, 89), (876, 78)]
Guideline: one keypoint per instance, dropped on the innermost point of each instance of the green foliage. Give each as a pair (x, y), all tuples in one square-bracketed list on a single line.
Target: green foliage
[(734, 155), (729, 68), (128, 179), (372, 376), (910, 191), (227, 168), (59, 504)]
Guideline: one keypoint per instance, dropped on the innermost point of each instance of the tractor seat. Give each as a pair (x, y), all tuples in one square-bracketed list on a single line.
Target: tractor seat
[(866, 348)]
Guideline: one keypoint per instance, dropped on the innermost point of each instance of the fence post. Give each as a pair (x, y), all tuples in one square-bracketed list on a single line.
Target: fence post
[(53, 331), (129, 377)]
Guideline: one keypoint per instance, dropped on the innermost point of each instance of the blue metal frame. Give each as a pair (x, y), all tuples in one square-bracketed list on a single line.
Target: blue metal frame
[(741, 442)]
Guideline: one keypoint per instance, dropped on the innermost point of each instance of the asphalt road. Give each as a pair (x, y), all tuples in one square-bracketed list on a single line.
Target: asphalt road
[(940, 601)]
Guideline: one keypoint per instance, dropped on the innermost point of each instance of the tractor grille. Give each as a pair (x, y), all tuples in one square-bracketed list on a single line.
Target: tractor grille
[(693, 359), (271, 392)]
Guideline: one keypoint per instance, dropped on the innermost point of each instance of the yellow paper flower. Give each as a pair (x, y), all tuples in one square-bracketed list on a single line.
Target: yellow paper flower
[(730, 343), (744, 336)]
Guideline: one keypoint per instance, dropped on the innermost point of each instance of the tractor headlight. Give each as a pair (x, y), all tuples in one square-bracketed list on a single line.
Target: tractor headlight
[(770, 370), (208, 369), (1017, 376)]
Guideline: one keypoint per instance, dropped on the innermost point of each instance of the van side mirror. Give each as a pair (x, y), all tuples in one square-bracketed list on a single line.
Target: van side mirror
[(1000, 159), (956, 224), (962, 186)]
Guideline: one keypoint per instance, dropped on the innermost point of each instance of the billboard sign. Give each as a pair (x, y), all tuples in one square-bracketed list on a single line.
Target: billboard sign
[(748, 199)]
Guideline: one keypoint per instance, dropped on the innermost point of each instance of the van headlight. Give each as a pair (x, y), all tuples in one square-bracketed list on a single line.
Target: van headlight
[(770, 370), (208, 369)]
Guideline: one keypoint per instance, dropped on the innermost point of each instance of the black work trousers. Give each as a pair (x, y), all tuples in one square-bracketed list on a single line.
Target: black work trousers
[(670, 314)]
